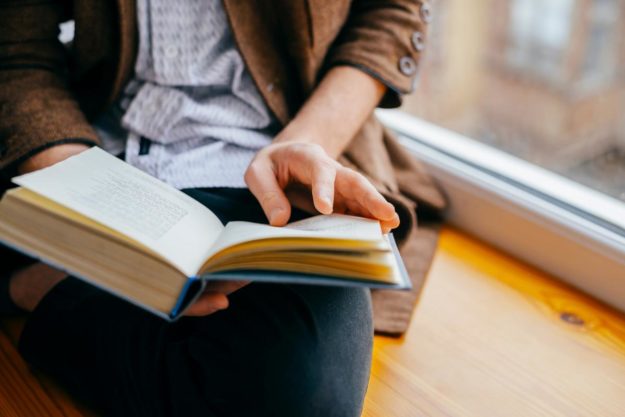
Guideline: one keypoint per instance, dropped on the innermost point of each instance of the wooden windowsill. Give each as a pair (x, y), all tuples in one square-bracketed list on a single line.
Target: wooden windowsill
[(494, 337), (490, 337)]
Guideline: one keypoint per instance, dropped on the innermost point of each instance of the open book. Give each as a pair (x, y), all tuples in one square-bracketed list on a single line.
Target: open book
[(111, 224)]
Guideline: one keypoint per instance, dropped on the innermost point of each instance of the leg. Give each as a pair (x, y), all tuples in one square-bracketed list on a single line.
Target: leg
[(291, 351), (279, 350)]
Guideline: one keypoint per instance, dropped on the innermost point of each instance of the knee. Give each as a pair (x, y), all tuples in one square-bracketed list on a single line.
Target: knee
[(327, 374), (286, 351)]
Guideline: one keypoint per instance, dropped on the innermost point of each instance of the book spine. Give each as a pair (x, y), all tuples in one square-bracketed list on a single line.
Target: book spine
[(192, 289)]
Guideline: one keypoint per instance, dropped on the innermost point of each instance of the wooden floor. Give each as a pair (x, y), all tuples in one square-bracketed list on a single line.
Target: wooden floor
[(491, 337)]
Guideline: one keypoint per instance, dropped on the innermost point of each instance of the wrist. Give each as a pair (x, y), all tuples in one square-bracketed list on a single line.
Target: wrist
[(312, 134), (335, 111)]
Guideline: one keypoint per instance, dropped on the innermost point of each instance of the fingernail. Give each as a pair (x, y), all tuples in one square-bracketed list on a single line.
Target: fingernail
[(326, 197), (328, 202), (275, 215)]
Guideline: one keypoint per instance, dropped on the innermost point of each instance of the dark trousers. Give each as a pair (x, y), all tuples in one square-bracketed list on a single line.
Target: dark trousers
[(278, 350)]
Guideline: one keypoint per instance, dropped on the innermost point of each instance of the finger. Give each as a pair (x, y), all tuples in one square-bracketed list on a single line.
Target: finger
[(225, 287), (354, 207), (353, 185), (388, 225), (208, 303), (374, 201), (323, 177), (262, 182)]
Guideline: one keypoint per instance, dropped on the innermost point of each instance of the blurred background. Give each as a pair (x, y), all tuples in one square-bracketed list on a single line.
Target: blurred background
[(541, 79)]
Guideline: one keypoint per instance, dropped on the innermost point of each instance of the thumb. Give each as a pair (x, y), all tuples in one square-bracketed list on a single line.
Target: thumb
[(208, 303), (261, 180)]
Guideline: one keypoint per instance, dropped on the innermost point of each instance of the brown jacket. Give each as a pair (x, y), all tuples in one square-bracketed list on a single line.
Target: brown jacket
[(49, 92)]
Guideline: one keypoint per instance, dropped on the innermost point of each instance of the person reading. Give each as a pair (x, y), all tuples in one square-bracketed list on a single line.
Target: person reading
[(260, 111)]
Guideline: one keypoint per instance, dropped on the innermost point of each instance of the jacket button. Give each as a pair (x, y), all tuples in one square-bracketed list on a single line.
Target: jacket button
[(426, 12), (418, 41), (407, 65)]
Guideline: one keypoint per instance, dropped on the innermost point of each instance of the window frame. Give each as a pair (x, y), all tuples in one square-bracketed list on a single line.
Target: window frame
[(523, 209)]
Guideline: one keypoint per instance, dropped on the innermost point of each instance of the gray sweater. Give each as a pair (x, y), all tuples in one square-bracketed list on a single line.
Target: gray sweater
[(192, 115)]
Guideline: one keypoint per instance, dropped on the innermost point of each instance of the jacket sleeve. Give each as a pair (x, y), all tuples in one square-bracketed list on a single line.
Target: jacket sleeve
[(385, 39), (37, 109)]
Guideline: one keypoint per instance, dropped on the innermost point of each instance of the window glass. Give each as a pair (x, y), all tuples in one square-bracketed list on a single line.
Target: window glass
[(541, 79), (538, 34)]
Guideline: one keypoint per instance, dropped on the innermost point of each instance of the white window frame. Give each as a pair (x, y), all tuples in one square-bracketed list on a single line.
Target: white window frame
[(562, 227)]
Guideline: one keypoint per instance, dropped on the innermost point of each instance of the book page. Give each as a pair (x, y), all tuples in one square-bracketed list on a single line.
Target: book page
[(356, 228), (332, 226), (117, 195)]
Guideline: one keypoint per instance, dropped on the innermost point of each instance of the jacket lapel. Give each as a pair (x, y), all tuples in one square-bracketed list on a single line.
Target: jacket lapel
[(261, 53)]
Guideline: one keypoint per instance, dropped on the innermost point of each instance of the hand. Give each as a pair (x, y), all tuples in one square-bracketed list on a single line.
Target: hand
[(51, 156), (282, 166), (214, 297)]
